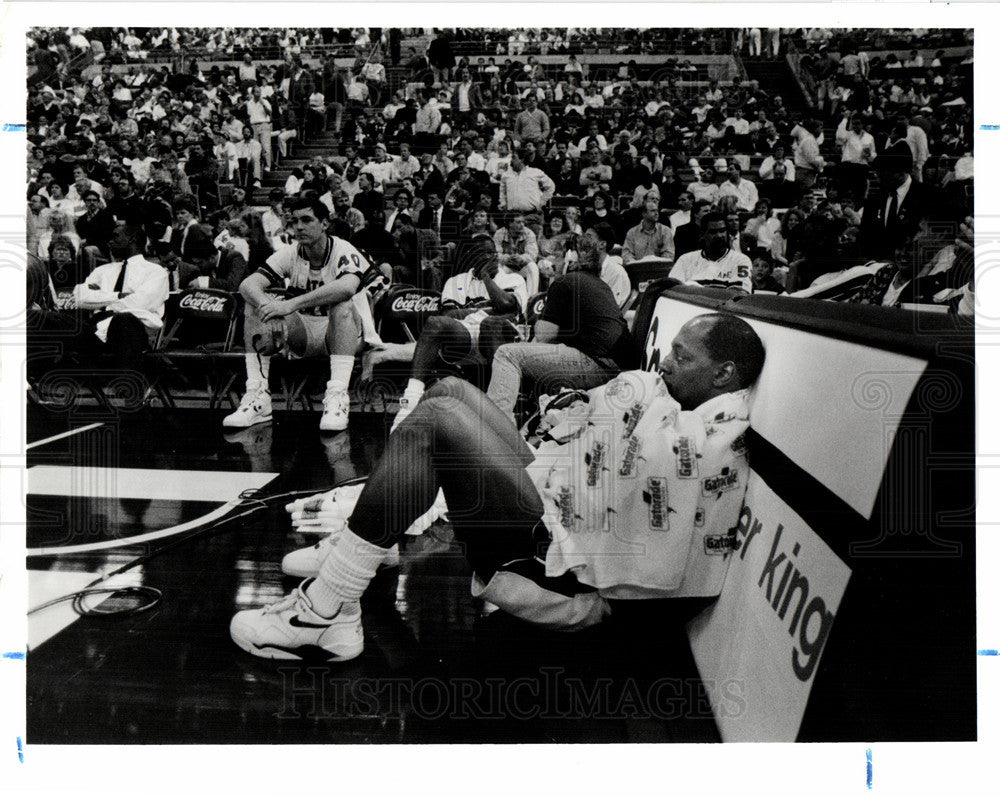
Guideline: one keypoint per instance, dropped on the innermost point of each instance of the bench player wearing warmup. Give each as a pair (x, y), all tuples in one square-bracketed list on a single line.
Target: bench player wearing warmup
[(550, 533), (323, 273)]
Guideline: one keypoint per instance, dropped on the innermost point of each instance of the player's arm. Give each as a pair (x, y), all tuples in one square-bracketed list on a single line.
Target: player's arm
[(503, 301), (341, 289), (253, 288)]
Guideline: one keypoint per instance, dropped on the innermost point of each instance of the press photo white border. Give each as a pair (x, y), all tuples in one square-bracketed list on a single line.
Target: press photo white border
[(486, 770)]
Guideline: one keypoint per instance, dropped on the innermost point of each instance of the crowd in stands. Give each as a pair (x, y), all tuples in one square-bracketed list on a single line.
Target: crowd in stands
[(720, 183)]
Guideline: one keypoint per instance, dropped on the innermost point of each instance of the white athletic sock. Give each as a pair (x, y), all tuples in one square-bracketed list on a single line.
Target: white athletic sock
[(341, 366), (345, 573), (414, 390), (258, 370)]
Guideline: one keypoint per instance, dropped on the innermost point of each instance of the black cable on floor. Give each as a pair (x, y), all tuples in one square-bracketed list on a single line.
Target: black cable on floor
[(117, 594), (154, 595)]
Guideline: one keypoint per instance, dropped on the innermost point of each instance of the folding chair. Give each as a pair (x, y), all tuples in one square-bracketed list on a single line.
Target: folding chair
[(295, 374), (402, 311), (533, 312), (197, 336), (640, 274), (398, 316)]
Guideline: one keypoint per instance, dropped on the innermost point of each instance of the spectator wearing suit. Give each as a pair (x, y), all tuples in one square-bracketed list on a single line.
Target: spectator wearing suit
[(301, 86), (95, 228), (233, 257), (781, 192), (127, 295), (191, 243), (687, 237), (369, 201), (402, 202), (890, 212), (900, 280)]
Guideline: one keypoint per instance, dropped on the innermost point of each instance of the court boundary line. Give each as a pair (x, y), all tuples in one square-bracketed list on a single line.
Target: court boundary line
[(61, 435), (148, 537)]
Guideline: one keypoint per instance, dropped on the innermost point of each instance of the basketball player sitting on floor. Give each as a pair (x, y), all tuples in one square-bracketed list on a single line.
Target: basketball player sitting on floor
[(551, 533)]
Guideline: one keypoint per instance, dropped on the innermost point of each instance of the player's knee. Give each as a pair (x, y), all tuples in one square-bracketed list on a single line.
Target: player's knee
[(343, 314), (505, 353), (435, 325), (449, 386), (446, 400)]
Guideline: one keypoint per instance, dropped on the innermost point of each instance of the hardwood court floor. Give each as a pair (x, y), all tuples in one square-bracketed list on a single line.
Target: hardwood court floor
[(434, 669)]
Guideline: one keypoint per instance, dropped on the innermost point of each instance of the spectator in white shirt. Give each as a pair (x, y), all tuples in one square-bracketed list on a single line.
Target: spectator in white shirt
[(740, 125), (766, 170), (808, 161), (380, 167), (525, 189), (744, 190), (248, 156), (357, 91), (685, 201), (259, 115), (705, 188), (405, 165), (273, 219)]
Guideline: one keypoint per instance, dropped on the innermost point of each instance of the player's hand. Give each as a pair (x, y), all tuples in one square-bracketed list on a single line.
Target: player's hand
[(279, 308), (489, 269), (966, 230)]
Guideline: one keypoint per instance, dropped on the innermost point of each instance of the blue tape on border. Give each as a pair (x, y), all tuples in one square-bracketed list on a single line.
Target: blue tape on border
[(13, 128), (988, 652), (989, 127), (20, 750), (17, 655), (868, 767)]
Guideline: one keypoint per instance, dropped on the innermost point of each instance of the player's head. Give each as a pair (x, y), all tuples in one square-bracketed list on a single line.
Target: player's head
[(714, 233), (310, 218), (476, 254), (711, 355)]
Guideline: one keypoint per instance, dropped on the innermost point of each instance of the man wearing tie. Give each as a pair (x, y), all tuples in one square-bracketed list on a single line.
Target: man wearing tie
[(127, 296), (888, 211), (432, 214)]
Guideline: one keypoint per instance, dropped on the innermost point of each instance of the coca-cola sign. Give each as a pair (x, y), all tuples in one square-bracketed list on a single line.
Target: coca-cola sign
[(415, 303), (204, 302)]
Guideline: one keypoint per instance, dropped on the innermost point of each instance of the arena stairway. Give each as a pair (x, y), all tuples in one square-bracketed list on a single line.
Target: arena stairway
[(321, 146), (777, 75)]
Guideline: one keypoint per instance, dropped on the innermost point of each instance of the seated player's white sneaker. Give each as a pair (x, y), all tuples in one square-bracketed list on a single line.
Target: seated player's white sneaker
[(306, 562), (290, 629), (336, 406), (406, 406), (255, 407)]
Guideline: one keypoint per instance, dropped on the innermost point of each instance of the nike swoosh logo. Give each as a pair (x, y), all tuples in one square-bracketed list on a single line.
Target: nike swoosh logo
[(295, 621)]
